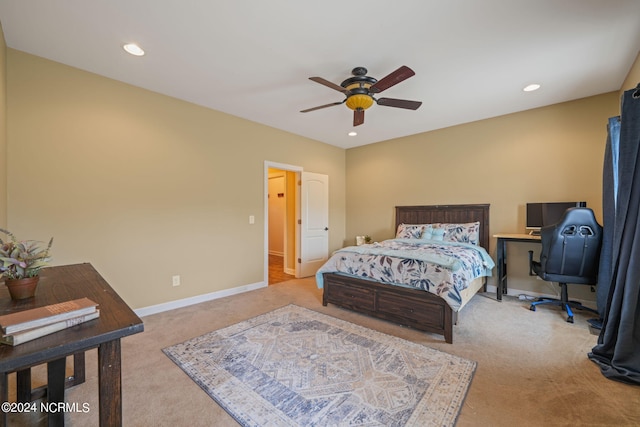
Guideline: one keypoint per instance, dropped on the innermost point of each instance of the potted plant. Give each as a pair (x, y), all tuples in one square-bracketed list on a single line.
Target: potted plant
[(20, 264)]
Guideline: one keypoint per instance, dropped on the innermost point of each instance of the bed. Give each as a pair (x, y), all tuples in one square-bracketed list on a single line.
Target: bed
[(413, 305)]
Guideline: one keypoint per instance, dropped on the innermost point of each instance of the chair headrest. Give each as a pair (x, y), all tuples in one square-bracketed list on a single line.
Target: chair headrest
[(578, 222), (579, 216)]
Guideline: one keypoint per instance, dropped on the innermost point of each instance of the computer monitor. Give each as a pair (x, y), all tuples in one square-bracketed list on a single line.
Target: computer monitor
[(542, 214)]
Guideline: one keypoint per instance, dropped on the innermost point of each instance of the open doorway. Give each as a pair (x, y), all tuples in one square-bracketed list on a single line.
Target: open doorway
[(305, 237), (282, 214)]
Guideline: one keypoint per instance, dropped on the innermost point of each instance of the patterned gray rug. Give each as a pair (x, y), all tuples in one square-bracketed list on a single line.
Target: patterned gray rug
[(298, 367)]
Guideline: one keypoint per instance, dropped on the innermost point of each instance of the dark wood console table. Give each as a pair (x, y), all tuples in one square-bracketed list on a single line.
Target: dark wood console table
[(117, 320)]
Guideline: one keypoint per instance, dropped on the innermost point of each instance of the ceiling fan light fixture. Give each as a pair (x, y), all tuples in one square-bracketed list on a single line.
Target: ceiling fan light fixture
[(359, 101), (360, 89)]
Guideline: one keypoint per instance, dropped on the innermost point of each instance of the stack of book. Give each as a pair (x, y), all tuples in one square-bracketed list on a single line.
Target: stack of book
[(27, 325)]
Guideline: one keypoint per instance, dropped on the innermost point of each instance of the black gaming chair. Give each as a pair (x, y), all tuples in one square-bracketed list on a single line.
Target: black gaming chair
[(570, 254)]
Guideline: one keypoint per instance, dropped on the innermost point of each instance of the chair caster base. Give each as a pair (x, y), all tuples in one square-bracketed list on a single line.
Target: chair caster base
[(570, 319)]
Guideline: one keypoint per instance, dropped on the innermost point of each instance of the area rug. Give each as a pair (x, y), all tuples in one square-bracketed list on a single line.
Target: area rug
[(297, 367)]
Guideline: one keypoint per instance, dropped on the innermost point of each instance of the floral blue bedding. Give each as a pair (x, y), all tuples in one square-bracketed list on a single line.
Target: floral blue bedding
[(442, 268)]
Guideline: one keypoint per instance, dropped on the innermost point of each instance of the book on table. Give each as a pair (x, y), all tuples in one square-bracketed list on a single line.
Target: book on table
[(40, 331), (46, 315)]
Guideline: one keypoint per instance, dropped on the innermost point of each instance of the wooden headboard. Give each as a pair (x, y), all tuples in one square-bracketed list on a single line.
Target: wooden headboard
[(449, 214)]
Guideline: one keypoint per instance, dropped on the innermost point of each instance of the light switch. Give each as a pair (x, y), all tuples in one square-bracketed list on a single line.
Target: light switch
[(252, 219)]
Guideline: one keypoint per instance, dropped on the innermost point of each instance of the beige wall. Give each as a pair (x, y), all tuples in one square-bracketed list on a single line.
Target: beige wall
[(547, 154), (3, 131), (145, 186), (633, 78)]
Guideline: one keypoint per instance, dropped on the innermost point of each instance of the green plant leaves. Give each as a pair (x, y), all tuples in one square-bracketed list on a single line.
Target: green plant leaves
[(20, 259)]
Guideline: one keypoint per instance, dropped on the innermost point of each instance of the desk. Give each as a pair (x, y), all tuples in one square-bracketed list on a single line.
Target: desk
[(117, 320), (503, 239)]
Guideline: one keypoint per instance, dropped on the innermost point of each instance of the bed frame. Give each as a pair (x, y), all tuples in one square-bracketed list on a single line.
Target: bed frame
[(409, 307)]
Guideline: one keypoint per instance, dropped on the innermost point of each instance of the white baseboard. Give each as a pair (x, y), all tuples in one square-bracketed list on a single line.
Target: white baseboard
[(517, 292), (291, 271), (171, 305)]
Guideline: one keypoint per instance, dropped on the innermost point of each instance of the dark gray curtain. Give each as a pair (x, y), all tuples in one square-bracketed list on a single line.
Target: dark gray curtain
[(618, 349), (609, 191)]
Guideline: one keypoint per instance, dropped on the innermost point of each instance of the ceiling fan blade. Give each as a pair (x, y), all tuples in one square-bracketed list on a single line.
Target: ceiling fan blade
[(328, 84), (321, 106), (399, 103), (392, 79), (358, 117)]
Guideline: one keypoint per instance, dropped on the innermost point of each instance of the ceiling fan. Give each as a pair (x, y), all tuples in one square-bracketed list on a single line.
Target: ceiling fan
[(360, 88)]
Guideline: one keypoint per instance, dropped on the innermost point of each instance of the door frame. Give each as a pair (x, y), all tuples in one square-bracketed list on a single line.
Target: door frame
[(286, 167)]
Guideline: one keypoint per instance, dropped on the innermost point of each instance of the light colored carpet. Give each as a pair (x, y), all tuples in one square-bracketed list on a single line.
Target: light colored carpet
[(532, 368), (297, 367)]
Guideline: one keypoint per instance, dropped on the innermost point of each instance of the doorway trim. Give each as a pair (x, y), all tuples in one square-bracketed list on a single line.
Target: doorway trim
[(282, 166)]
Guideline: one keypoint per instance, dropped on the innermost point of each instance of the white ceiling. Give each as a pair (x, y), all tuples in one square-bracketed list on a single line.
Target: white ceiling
[(252, 58)]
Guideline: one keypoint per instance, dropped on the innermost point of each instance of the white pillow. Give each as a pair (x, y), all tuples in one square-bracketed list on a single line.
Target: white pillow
[(410, 231), (463, 233)]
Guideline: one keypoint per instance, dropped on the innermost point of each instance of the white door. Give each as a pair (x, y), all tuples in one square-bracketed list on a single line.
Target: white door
[(314, 223)]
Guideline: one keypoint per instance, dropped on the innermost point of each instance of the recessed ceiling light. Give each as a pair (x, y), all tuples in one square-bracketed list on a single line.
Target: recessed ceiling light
[(531, 87), (133, 49), (353, 133)]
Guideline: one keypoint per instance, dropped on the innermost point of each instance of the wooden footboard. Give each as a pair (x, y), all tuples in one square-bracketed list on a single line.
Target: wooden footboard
[(409, 307)]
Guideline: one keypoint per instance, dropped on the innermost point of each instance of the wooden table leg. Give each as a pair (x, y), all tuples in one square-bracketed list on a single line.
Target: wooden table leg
[(55, 390), (4, 397), (501, 285), (23, 385), (110, 384), (78, 370), (25, 393)]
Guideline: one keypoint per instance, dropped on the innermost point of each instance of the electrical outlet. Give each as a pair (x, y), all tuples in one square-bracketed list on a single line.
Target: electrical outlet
[(176, 280)]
